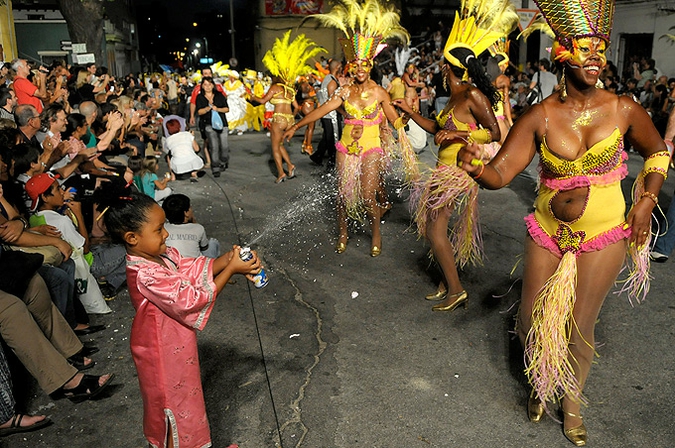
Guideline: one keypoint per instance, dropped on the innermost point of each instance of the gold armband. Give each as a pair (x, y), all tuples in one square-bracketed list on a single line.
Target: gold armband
[(399, 124), (657, 163), (480, 136)]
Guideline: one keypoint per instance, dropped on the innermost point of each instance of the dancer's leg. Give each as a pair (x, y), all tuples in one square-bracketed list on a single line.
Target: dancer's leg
[(370, 184), (276, 132), (597, 272), (437, 234), (340, 201)]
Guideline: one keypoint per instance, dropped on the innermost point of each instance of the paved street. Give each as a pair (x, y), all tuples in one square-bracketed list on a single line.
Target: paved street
[(342, 351)]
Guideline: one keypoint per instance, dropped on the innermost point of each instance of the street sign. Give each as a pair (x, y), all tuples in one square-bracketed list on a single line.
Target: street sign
[(66, 47), (79, 48), (84, 58), (526, 17)]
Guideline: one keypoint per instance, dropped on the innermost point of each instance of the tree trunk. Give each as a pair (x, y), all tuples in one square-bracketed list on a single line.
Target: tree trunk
[(85, 25)]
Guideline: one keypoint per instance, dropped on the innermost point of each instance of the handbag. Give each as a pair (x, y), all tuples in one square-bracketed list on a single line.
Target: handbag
[(51, 255), (216, 121)]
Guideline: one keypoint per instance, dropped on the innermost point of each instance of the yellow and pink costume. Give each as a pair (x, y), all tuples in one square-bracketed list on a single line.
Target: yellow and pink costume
[(450, 186)]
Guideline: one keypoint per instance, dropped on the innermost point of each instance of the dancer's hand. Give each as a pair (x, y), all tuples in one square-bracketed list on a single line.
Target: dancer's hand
[(403, 105), (445, 137), (290, 132), (639, 221), (467, 157)]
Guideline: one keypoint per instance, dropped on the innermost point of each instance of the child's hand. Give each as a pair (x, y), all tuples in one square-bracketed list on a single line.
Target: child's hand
[(238, 266)]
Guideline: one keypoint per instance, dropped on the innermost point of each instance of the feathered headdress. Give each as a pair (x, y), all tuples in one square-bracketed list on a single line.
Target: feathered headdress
[(478, 25), (571, 20), (501, 48), (288, 60), (366, 25), (219, 71)]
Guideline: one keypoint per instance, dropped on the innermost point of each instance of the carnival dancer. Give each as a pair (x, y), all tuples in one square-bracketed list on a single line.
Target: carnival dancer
[(306, 99), (236, 101), (286, 61), (467, 117), (579, 233), (500, 51), (173, 297), (360, 151)]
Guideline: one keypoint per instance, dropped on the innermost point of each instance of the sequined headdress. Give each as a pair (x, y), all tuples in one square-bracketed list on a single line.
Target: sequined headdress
[(366, 24), (571, 20), (478, 25), (288, 60)]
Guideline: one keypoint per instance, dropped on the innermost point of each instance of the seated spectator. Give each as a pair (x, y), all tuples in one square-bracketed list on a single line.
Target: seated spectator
[(149, 183), (182, 149), (56, 208), (184, 233), (14, 422), (46, 346)]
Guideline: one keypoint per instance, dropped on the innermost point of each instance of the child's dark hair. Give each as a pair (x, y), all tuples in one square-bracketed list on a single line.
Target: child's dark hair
[(175, 206), (135, 164), (476, 73), (123, 210)]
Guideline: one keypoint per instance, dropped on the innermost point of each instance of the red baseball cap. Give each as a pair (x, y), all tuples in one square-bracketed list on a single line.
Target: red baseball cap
[(37, 185)]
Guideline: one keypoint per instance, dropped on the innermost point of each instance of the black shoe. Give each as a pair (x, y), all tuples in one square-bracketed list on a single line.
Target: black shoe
[(201, 173), (89, 330), (216, 174), (108, 291)]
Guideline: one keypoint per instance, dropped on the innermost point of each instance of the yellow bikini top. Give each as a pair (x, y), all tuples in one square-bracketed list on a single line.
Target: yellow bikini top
[(283, 100), (359, 114), (601, 158), (455, 124)]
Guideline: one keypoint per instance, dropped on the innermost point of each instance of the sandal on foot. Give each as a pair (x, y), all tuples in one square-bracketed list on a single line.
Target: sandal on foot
[(77, 361), (87, 389), (88, 350), (89, 330), (280, 180), (291, 173), (15, 427)]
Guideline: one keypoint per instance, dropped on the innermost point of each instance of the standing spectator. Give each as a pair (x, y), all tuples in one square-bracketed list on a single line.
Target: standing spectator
[(331, 122), (544, 81), (209, 100), (7, 103), (644, 71), (665, 243), (26, 91)]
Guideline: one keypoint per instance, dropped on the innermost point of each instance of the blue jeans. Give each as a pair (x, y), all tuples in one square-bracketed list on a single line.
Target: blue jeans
[(218, 147), (666, 243), (440, 103), (61, 285)]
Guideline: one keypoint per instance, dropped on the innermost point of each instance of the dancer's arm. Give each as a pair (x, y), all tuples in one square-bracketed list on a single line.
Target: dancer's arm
[(481, 109), (314, 115), (644, 137), (515, 154), (425, 123)]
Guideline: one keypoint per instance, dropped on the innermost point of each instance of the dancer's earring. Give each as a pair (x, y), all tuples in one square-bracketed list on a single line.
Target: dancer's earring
[(563, 88), (445, 83)]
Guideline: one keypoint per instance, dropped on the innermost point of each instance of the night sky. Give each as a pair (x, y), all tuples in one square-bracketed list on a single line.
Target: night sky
[(167, 26)]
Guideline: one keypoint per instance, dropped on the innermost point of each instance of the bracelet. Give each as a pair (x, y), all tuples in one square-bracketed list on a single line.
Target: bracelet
[(650, 195), (23, 221), (480, 173)]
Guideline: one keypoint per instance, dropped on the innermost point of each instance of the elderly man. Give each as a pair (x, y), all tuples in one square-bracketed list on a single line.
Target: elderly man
[(28, 121), (26, 91)]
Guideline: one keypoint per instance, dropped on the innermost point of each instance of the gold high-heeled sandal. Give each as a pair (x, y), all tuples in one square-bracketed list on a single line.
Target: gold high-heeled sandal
[(462, 299), (375, 251), (577, 435), (340, 247), (535, 408), (438, 295)]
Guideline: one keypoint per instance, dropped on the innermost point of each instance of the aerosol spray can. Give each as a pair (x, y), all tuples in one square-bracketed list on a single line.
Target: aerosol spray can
[(260, 279)]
